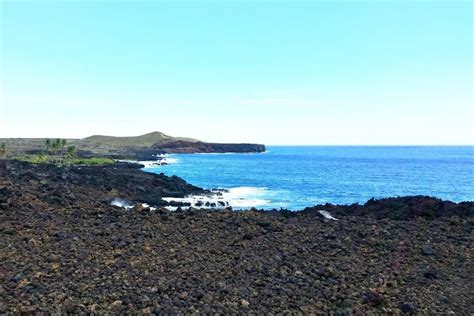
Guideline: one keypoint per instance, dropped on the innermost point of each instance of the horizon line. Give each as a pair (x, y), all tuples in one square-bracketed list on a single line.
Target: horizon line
[(370, 145), (285, 145)]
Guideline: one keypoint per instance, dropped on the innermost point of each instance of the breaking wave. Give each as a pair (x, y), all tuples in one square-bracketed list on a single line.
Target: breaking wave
[(240, 197), (150, 164)]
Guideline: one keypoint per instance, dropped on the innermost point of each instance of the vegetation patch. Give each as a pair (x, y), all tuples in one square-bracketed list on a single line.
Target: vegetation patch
[(58, 152), (37, 159), (91, 161), (33, 158)]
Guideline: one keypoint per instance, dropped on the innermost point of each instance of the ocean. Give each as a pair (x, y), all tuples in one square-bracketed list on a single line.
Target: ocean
[(299, 177)]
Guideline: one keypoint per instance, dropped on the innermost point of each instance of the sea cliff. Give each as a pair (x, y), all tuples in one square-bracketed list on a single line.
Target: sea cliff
[(201, 147)]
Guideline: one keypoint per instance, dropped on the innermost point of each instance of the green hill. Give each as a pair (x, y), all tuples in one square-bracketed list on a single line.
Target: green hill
[(146, 140), (144, 147)]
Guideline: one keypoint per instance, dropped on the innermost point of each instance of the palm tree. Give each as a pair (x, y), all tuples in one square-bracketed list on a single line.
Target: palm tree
[(54, 149), (62, 144), (3, 150), (47, 144), (56, 146), (71, 152)]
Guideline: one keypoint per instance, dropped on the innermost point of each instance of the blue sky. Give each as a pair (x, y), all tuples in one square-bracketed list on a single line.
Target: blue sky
[(313, 72)]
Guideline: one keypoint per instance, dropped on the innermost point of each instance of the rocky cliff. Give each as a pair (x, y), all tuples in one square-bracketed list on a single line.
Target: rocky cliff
[(201, 147)]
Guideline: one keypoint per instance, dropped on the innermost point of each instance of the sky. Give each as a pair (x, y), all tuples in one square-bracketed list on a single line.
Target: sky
[(272, 72)]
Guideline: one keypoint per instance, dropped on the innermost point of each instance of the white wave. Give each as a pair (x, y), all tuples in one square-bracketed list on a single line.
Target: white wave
[(239, 197), (246, 197), (166, 159), (145, 205), (121, 203), (211, 201), (127, 205), (246, 191), (170, 160), (163, 160)]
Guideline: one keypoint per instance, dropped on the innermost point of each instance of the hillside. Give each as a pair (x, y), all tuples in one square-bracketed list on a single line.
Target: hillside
[(146, 140), (144, 147)]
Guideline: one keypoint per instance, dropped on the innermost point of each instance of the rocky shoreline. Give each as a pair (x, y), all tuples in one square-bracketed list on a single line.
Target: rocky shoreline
[(65, 248)]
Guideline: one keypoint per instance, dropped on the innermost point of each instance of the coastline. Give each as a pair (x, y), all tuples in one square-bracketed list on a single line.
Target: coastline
[(236, 158), (299, 177), (64, 247)]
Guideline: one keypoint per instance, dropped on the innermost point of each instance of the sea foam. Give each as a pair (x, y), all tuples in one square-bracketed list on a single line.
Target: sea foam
[(239, 197), (121, 203), (246, 197), (163, 160)]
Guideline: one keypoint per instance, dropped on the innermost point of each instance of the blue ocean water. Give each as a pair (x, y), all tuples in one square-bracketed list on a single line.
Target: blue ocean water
[(298, 177)]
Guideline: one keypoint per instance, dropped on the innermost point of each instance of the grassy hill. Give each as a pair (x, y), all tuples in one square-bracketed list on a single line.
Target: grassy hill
[(146, 140), (144, 147)]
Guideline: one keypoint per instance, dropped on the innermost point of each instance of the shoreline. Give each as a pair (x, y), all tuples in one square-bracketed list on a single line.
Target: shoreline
[(65, 248), (254, 197)]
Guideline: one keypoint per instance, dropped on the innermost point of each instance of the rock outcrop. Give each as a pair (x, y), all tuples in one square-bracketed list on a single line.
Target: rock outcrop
[(66, 185)]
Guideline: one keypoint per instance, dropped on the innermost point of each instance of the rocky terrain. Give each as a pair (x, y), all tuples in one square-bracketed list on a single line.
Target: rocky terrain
[(64, 248)]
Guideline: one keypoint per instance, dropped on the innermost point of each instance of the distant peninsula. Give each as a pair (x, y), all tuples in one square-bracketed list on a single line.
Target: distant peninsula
[(144, 147)]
